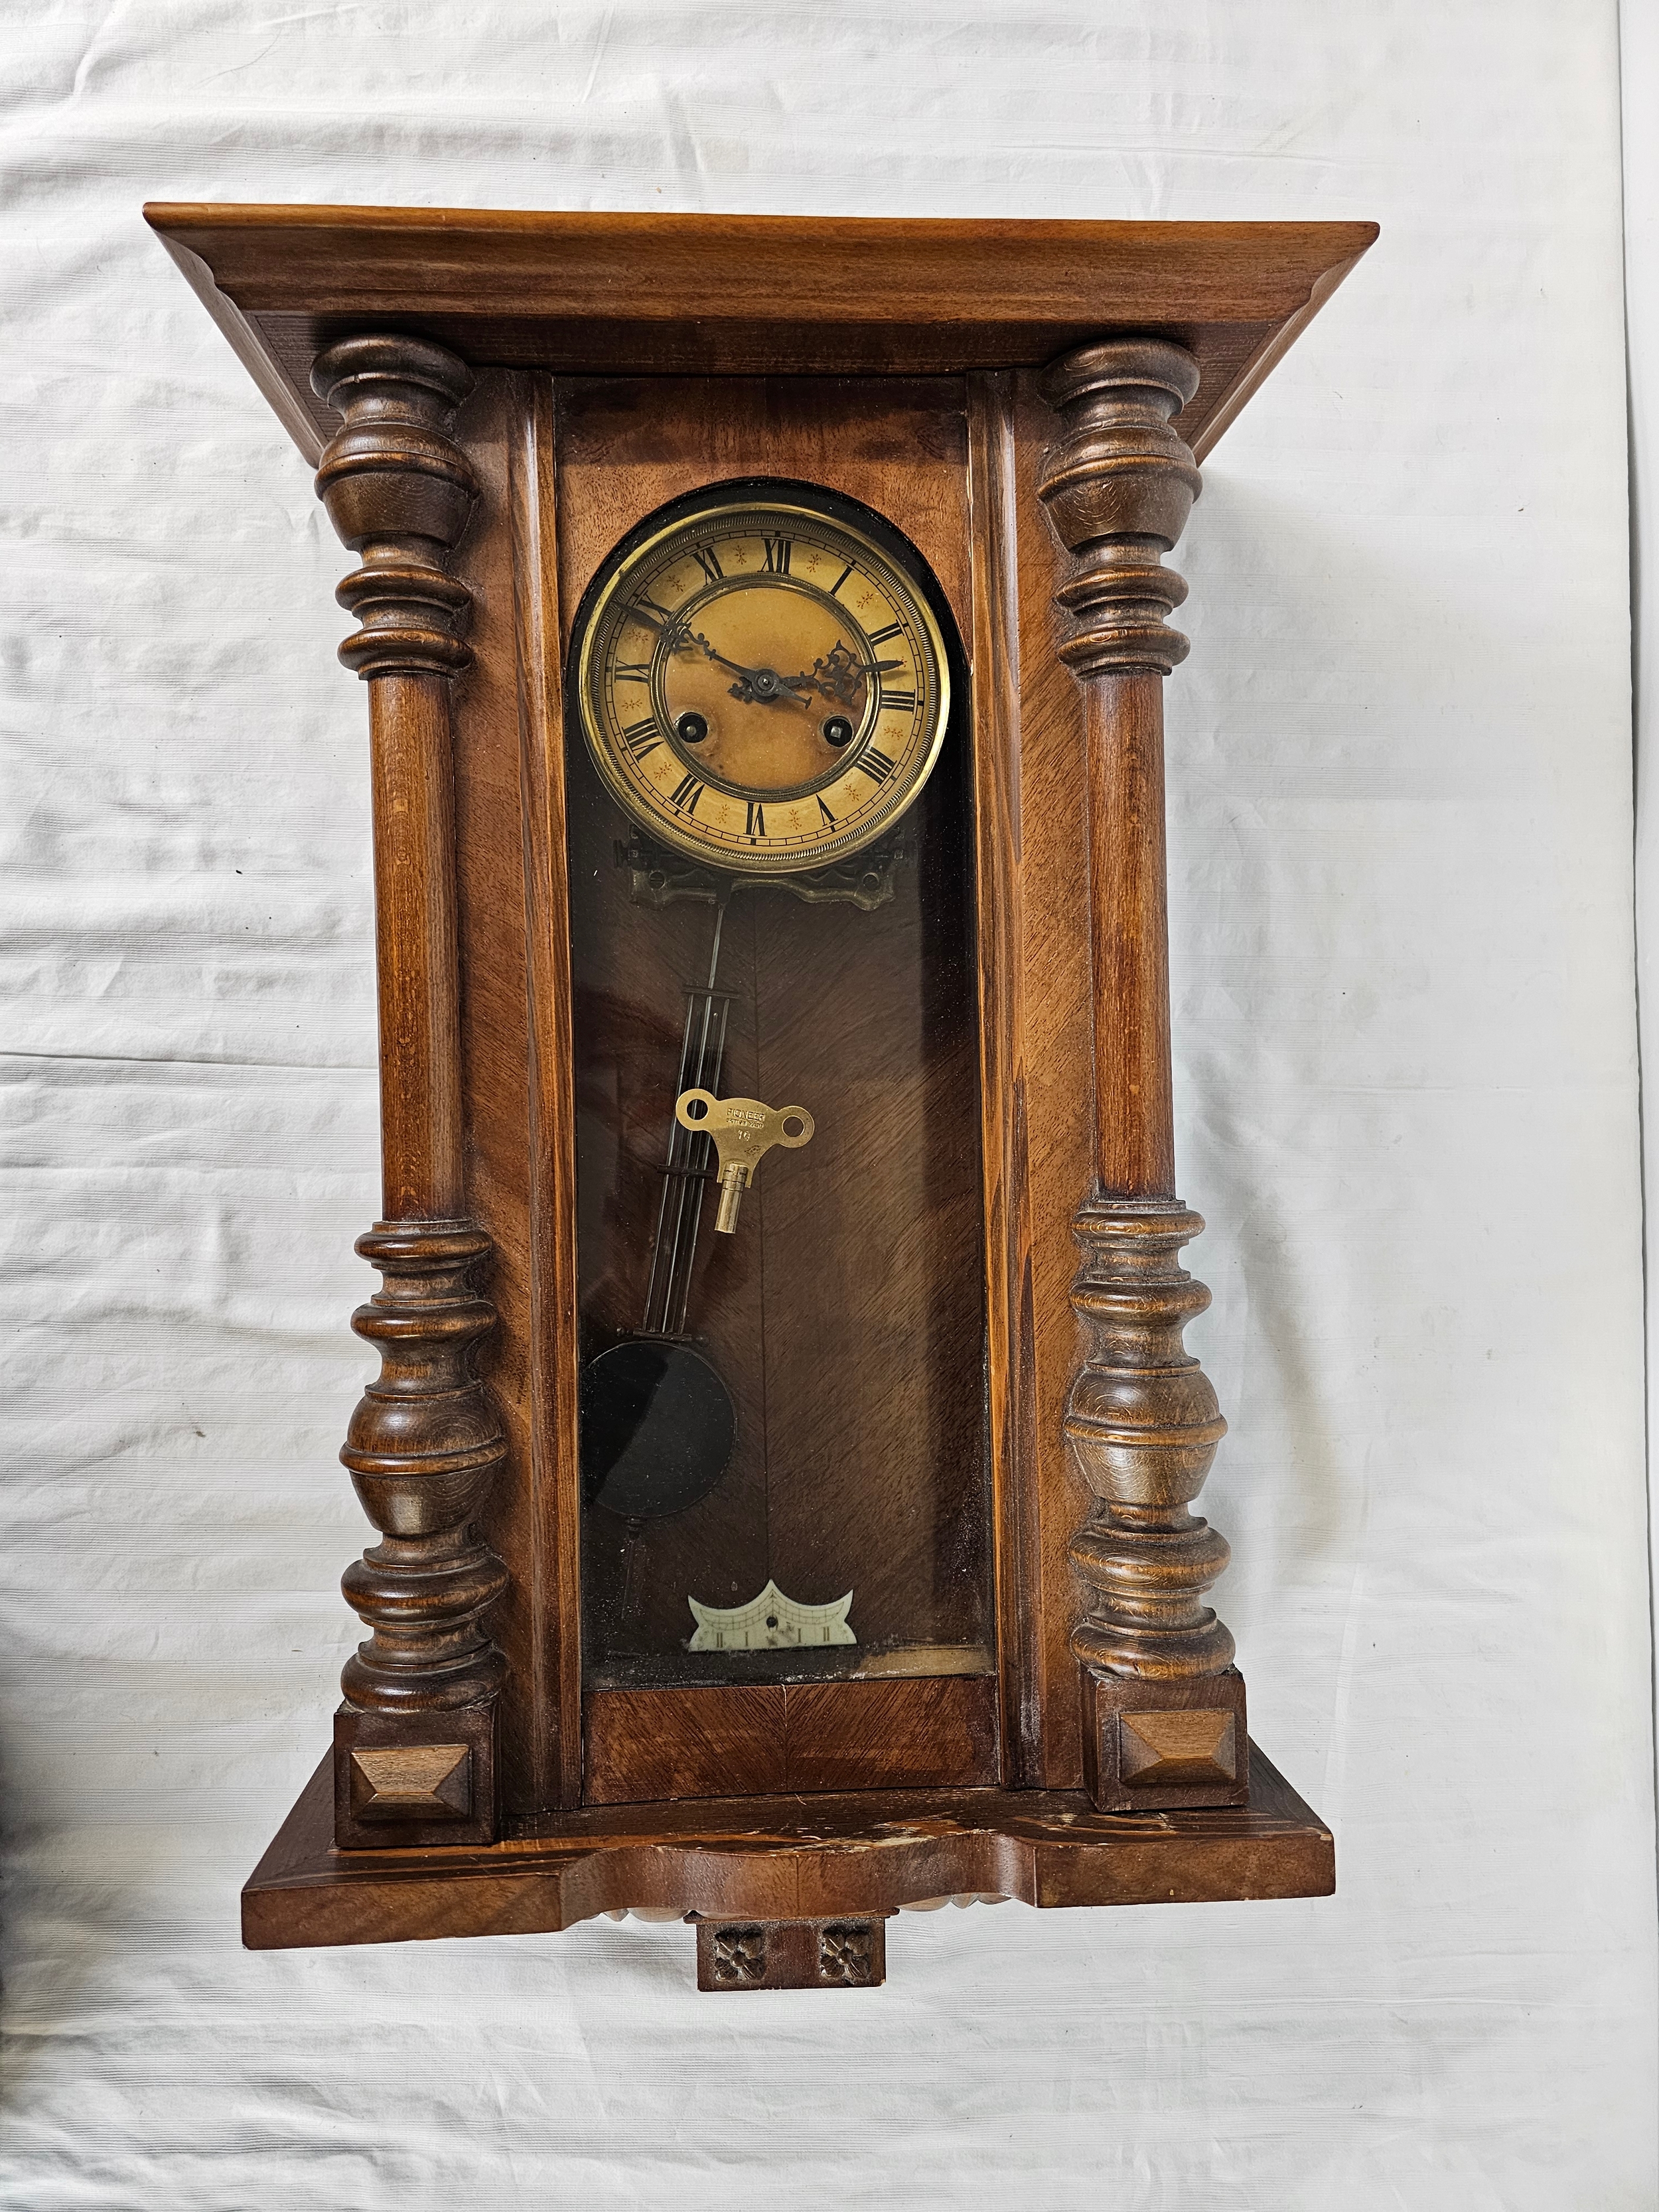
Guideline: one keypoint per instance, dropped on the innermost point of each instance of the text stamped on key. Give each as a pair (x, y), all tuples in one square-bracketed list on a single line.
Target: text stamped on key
[(742, 1130)]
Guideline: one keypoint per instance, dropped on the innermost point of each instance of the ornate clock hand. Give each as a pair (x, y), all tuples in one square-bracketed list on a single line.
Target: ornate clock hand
[(674, 630), (757, 682), (835, 673)]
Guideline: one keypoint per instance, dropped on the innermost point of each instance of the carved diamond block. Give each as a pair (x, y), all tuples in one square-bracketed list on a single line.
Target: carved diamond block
[(1199, 1746), (409, 1779), (429, 1778), (1154, 1747)]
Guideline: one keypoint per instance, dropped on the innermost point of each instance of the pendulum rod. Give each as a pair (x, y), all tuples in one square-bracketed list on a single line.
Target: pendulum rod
[(685, 1166)]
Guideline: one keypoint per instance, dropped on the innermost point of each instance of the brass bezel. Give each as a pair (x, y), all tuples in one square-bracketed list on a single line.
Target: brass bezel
[(633, 554)]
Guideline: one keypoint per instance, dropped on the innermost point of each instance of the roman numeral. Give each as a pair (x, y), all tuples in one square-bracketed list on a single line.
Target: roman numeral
[(687, 793), (875, 762), (778, 550), (647, 610), (842, 578), (881, 636), (641, 738), (709, 561), (632, 671), (825, 815), (757, 823), (903, 702)]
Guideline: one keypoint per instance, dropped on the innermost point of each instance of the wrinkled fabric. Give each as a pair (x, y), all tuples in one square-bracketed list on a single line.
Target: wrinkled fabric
[(1401, 912)]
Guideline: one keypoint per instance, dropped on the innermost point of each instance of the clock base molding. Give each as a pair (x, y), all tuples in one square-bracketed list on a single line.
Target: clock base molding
[(843, 1858)]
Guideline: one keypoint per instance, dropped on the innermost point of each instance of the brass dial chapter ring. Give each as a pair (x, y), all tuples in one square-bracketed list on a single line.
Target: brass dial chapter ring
[(761, 686)]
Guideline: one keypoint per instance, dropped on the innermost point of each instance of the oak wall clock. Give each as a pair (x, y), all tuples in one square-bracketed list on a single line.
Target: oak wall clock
[(783, 1460)]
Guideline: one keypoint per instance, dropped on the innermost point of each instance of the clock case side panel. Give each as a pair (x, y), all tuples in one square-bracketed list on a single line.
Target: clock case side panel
[(1036, 1074), (515, 1061), (628, 447), (1054, 850), (1041, 1006)]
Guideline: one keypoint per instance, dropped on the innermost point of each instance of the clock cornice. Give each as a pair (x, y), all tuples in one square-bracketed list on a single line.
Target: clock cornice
[(604, 293)]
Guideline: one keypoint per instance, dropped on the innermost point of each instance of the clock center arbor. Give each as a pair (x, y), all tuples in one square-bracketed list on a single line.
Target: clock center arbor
[(783, 1462)]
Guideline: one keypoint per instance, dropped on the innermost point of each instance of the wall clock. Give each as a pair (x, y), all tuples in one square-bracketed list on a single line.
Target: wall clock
[(783, 1460)]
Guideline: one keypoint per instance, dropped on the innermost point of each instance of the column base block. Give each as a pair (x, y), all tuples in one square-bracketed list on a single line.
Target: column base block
[(409, 1780), (1165, 1747)]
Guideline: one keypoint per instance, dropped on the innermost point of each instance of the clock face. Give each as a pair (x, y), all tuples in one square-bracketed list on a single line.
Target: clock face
[(760, 684)]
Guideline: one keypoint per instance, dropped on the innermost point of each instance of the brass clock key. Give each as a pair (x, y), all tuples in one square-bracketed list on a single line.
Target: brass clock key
[(742, 1130)]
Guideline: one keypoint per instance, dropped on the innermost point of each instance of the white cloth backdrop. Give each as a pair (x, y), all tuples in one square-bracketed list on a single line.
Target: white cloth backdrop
[(1401, 912)]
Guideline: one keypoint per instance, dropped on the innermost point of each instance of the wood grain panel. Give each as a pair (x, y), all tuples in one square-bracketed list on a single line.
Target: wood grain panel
[(925, 1733), (870, 1250), (1000, 944), (632, 965), (750, 1739), (858, 1377), (495, 1077), (556, 1652), (627, 445), (1060, 1086), (651, 1744)]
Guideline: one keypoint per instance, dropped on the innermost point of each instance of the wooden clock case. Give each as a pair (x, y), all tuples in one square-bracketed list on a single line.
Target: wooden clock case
[(492, 400)]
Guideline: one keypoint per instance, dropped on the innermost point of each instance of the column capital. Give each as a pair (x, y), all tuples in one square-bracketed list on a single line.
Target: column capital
[(1119, 484), (400, 491)]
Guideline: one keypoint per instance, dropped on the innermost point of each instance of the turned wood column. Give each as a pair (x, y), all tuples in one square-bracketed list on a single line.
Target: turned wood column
[(1165, 1722), (415, 1741)]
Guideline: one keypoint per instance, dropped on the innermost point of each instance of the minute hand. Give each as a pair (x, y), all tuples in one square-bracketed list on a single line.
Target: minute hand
[(760, 683)]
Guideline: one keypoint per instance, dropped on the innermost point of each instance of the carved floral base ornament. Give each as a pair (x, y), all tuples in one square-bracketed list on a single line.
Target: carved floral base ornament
[(822, 562)]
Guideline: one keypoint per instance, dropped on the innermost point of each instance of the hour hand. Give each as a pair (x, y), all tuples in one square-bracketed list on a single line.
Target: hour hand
[(755, 683)]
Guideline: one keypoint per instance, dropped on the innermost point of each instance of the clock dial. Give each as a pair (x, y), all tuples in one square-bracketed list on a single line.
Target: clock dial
[(761, 686)]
